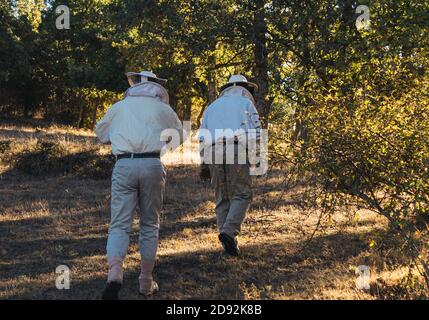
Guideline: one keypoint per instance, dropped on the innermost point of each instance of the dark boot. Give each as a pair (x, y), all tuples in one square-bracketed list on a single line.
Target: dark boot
[(229, 244), (111, 292), (114, 279)]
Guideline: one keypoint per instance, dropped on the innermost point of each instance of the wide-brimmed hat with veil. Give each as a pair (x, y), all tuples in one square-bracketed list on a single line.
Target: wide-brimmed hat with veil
[(240, 80), (135, 78)]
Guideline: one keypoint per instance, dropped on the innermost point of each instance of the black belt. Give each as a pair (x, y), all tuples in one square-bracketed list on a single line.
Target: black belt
[(138, 155)]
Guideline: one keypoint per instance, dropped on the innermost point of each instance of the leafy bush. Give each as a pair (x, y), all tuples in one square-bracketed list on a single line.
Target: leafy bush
[(53, 158), (374, 150), (5, 146), (43, 160), (369, 148), (94, 166)]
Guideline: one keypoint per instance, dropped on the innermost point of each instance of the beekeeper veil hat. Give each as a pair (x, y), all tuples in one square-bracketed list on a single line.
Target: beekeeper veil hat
[(135, 78), (240, 80), (147, 84)]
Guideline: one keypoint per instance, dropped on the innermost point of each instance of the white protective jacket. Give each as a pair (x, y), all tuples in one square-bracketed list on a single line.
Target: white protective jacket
[(235, 110), (135, 124)]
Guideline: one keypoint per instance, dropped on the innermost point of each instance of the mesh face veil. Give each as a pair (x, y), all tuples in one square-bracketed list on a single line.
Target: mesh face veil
[(238, 90), (136, 79)]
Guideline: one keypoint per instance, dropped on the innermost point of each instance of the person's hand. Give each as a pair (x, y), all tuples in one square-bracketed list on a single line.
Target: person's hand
[(205, 172)]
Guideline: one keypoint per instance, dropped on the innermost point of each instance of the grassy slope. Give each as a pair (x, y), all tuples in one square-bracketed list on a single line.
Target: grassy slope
[(45, 222)]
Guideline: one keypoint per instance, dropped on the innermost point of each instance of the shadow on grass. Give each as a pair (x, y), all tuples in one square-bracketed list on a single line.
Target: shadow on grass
[(11, 133), (206, 274), (34, 248), (22, 255)]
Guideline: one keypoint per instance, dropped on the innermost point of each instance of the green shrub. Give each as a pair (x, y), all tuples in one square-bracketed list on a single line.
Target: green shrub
[(43, 160), (95, 167), (369, 148), (49, 158), (5, 147)]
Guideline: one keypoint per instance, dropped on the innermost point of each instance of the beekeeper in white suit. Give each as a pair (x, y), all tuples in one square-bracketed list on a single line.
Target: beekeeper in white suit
[(133, 126), (228, 125)]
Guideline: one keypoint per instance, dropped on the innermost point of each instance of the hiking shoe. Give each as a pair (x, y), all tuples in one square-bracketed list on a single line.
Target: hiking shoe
[(229, 244), (111, 292), (152, 289)]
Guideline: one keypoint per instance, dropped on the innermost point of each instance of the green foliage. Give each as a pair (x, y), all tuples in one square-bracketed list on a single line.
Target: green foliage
[(361, 106), (376, 150), (80, 107), (65, 75)]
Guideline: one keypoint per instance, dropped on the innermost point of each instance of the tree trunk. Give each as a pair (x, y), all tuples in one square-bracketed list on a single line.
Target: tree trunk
[(173, 101), (94, 114), (80, 117), (212, 85), (211, 79), (261, 62), (187, 108)]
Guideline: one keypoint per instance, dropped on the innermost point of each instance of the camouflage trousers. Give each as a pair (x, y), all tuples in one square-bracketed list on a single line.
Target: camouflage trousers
[(233, 193)]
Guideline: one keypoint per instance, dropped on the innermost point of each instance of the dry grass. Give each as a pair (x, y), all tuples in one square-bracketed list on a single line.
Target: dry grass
[(54, 220)]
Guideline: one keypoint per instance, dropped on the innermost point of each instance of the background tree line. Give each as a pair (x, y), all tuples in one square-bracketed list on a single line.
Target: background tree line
[(73, 75)]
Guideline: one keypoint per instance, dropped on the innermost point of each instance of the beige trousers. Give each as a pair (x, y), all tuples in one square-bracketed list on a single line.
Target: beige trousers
[(233, 192), (136, 182)]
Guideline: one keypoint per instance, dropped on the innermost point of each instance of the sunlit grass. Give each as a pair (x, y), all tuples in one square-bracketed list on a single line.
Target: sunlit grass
[(48, 221)]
